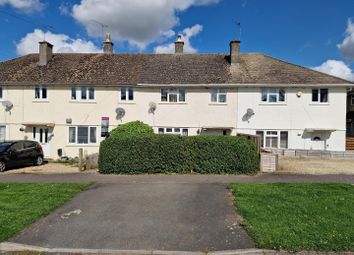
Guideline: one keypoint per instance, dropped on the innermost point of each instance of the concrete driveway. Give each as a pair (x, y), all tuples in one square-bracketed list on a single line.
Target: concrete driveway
[(143, 216)]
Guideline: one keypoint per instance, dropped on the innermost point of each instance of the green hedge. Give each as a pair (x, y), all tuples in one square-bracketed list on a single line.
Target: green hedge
[(131, 128), (178, 154)]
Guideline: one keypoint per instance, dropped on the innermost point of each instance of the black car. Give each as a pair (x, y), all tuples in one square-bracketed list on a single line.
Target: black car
[(20, 153)]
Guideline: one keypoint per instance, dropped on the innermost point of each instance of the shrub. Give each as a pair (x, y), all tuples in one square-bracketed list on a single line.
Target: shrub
[(131, 128), (178, 154)]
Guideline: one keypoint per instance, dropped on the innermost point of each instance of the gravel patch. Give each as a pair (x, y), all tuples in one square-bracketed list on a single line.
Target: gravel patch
[(47, 168), (316, 166)]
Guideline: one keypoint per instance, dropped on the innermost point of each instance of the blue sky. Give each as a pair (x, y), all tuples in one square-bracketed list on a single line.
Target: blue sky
[(304, 32)]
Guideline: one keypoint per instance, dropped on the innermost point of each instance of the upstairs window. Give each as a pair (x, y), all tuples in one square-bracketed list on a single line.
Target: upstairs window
[(320, 95), (1, 94), (273, 95), (218, 96), (352, 100), (173, 95), (83, 93), (40, 93), (126, 94)]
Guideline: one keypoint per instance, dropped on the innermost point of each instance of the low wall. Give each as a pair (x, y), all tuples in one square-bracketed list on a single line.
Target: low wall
[(313, 154)]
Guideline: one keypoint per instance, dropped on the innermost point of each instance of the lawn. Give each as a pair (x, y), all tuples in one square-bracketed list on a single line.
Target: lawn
[(318, 217), (23, 204)]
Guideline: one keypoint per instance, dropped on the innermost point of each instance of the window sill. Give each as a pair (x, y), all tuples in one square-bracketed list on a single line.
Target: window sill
[(173, 103), (83, 101), (126, 102), (83, 145), (218, 104), (272, 103), (319, 103), (40, 101)]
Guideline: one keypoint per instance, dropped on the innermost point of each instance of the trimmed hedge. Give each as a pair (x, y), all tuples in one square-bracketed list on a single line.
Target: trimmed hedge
[(131, 128), (178, 154)]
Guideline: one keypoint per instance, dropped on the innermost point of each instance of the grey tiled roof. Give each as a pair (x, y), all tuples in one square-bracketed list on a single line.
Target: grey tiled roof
[(130, 69)]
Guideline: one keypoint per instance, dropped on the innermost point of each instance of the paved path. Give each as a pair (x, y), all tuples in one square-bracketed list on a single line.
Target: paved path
[(99, 178), (170, 216), (156, 212)]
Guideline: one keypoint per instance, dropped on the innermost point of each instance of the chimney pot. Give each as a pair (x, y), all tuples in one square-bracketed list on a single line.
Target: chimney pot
[(108, 45), (179, 44), (235, 52), (45, 53)]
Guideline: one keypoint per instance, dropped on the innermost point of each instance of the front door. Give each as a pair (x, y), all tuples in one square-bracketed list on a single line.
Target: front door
[(318, 142), (43, 135)]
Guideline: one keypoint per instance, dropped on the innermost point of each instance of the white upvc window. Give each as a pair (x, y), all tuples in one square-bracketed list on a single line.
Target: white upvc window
[(40, 93), (173, 131), (82, 135), (273, 138), (218, 96), (173, 95), (126, 94), (83, 93), (320, 95), (273, 95), (2, 133)]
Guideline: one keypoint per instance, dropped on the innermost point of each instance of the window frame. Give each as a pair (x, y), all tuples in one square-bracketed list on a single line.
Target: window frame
[(352, 100), (273, 92), (178, 92), (5, 131), (318, 95), (164, 131), (2, 93), (265, 135), (76, 94), (76, 135), (128, 91), (41, 89), (218, 92)]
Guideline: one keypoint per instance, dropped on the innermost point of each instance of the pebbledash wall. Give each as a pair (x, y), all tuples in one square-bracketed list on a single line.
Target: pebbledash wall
[(303, 120)]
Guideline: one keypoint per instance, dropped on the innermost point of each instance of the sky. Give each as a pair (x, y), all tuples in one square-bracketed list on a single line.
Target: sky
[(318, 34)]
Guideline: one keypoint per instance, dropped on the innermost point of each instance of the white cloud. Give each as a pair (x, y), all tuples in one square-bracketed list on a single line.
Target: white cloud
[(346, 48), (64, 9), (336, 68), (187, 33), (27, 6), (62, 43), (139, 22)]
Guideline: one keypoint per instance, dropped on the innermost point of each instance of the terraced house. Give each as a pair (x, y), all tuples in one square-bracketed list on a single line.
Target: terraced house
[(70, 101)]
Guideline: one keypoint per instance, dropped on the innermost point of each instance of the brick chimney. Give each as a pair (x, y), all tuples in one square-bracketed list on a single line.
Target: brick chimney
[(235, 52), (45, 53), (108, 45), (179, 44)]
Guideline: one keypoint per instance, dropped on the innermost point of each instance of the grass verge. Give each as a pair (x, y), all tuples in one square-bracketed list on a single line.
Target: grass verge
[(21, 204), (294, 217)]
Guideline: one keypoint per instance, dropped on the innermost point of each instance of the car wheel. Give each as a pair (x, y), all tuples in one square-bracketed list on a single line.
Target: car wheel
[(2, 166), (39, 161)]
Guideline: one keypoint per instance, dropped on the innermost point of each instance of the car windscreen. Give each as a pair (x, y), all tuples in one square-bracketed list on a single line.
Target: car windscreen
[(4, 146)]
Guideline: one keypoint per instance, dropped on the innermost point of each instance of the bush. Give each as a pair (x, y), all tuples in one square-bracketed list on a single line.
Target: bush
[(131, 128), (178, 154)]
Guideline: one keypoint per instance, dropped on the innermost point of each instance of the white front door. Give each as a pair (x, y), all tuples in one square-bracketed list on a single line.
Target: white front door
[(43, 135), (318, 142)]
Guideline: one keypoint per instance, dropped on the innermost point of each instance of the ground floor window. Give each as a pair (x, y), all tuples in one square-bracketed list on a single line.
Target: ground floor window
[(2, 133), (83, 135), (273, 138), (174, 131)]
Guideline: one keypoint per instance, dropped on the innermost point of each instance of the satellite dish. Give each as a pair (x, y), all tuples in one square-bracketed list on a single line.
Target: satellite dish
[(120, 113), (152, 107), (249, 113), (7, 104)]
